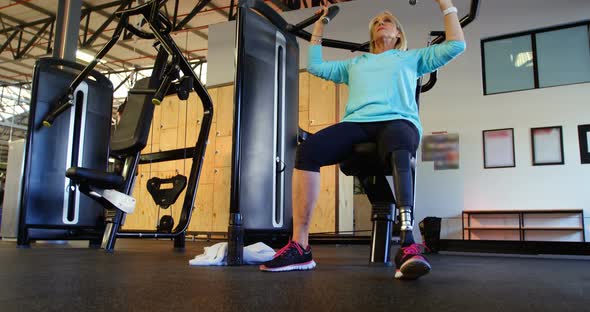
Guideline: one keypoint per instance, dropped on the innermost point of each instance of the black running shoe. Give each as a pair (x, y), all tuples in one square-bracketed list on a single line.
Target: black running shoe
[(290, 258), (410, 264)]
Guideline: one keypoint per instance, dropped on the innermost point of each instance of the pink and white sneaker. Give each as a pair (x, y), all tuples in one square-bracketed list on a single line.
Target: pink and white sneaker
[(292, 257), (410, 264)]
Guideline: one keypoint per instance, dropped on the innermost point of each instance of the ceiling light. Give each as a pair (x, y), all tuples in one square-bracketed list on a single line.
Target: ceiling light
[(85, 57), (523, 59)]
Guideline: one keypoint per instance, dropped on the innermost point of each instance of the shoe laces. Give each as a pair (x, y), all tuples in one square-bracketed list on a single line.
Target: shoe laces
[(414, 249), (288, 247)]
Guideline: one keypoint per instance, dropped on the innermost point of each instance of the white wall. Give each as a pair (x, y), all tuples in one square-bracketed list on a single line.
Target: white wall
[(457, 105)]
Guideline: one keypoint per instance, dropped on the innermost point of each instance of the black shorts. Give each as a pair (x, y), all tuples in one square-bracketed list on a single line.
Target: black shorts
[(333, 144)]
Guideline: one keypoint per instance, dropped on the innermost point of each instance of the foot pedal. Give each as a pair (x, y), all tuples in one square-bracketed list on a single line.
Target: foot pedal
[(119, 200)]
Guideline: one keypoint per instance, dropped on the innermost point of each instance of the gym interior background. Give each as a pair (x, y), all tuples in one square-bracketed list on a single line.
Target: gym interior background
[(458, 105), (472, 97)]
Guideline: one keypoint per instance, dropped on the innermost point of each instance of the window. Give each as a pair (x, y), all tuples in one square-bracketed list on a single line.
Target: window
[(509, 65), (536, 59), (563, 56)]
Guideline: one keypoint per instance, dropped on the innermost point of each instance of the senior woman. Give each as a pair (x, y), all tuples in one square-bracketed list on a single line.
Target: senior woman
[(381, 108)]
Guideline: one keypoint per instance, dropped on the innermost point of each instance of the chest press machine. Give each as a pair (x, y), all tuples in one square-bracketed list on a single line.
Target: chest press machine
[(68, 193), (262, 36)]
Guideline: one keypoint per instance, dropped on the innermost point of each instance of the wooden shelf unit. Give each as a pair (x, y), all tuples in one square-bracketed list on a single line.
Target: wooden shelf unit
[(467, 216)]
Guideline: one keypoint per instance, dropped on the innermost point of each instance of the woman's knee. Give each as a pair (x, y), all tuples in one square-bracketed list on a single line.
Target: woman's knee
[(304, 159)]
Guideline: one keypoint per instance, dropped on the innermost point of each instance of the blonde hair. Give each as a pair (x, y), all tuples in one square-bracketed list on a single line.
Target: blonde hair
[(402, 42)]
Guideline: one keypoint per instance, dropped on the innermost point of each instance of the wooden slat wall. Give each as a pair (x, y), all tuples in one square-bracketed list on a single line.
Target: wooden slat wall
[(176, 124), (345, 183), (322, 113)]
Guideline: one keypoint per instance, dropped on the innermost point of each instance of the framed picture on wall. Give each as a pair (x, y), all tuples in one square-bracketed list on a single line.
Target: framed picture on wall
[(584, 137), (547, 144), (498, 148), (443, 149)]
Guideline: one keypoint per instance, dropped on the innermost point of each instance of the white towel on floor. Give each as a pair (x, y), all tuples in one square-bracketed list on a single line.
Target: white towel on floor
[(217, 254)]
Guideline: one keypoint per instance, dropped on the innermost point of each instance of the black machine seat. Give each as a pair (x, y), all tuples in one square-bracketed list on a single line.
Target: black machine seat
[(96, 178), (365, 161)]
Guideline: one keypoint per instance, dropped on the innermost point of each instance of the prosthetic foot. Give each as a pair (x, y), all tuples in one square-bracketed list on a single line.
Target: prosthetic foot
[(409, 261)]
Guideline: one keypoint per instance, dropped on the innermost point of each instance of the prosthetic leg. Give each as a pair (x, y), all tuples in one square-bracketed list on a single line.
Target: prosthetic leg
[(403, 188), (409, 262)]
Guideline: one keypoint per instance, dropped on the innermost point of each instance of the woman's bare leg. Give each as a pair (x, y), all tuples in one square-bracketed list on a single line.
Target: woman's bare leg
[(306, 189)]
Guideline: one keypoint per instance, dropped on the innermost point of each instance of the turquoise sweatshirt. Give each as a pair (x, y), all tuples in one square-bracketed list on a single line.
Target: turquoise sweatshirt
[(383, 86)]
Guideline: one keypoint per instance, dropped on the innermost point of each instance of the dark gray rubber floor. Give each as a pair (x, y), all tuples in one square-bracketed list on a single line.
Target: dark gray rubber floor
[(147, 275)]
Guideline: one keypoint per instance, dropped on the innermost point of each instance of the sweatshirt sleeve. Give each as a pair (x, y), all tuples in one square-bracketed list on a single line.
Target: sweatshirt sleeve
[(336, 71), (433, 57)]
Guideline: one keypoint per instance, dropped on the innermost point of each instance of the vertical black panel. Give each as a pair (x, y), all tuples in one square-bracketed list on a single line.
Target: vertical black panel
[(80, 136), (263, 132)]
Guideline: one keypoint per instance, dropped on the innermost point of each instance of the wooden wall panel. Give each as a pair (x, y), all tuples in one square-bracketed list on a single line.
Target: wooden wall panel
[(194, 117), (221, 191), (304, 120), (345, 183), (132, 220), (324, 216), (304, 101), (213, 93), (155, 167), (303, 92), (177, 123), (223, 151), (207, 171), (322, 99), (169, 112), (156, 126), (145, 215), (225, 110), (195, 107), (202, 218), (182, 128), (168, 141)]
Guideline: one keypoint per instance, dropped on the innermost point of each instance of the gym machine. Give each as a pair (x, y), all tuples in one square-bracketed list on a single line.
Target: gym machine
[(67, 192), (268, 55)]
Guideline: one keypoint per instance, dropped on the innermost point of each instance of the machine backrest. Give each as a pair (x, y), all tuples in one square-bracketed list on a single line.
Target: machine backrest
[(134, 127)]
